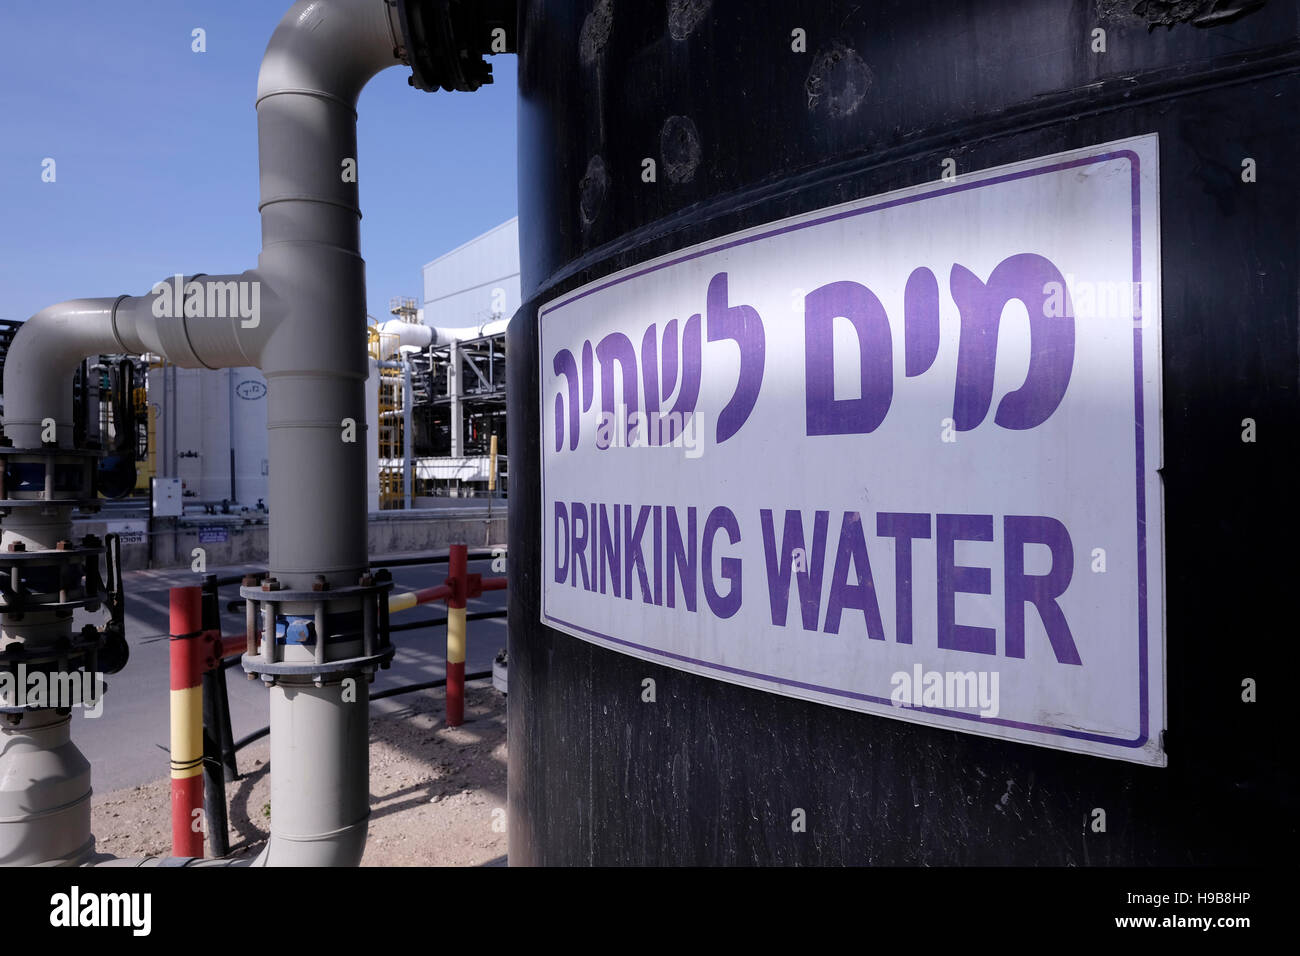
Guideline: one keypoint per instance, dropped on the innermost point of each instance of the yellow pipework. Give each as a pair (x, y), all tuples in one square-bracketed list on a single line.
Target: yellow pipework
[(455, 635), (401, 602), (187, 732)]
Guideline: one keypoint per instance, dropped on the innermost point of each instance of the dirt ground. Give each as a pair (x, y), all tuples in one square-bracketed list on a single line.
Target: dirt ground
[(437, 794)]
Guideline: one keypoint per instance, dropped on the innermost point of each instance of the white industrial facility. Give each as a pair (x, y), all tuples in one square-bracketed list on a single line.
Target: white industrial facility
[(208, 428), (437, 392), (476, 282)]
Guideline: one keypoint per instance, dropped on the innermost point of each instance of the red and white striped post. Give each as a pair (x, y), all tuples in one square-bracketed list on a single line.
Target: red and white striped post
[(187, 650), (458, 581)]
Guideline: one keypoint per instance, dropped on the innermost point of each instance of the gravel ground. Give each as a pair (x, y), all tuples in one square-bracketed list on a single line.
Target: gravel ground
[(437, 793)]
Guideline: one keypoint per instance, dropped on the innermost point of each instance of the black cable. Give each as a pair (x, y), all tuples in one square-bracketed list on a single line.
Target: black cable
[(434, 622), (391, 692), (426, 685)]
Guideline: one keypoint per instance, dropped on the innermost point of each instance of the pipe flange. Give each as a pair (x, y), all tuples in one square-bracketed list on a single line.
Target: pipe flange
[(31, 708), (62, 657), (271, 671), (285, 596), (9, 559), (445, 41), (377, 650), (19, 604)]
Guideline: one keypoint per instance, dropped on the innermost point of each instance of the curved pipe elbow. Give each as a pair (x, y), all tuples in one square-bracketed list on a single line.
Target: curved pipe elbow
[(329, 48), (318, 60), (205, 321), (44, 353), (395, 335)]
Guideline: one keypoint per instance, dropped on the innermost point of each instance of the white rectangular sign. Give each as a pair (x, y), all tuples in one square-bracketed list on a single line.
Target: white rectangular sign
[(128, 532), (899, 455)]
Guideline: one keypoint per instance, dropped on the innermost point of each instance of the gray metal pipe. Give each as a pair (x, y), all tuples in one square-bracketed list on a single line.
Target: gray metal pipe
[(318, 60), (44, 793), (408, 433), (44, 779), (455, 389), (43, 356), (401, 334)]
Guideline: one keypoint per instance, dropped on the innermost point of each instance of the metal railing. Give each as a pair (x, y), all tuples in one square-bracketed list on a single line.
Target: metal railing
[(203, 750)]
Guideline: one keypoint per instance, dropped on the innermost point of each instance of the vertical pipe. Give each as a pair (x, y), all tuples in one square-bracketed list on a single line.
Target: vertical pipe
[(408, 437), (172, 409), (320, 781), (230, 430), (225, 737), (453, 391), (321, 627), (368, 615), (214, 789), (250, 621), (215, 713), (457, 572), (44, 792), (218, 747), (268, 632), (185, 606)]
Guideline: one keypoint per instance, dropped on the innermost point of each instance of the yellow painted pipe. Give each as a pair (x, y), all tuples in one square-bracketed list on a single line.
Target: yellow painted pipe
[(187, 732), (401, 602), (455, 635)]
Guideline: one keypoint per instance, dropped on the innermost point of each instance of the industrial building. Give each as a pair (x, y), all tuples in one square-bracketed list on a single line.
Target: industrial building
[(440, 406)]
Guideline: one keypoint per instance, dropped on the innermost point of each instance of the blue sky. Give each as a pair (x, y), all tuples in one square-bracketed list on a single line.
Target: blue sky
[(156, 152)]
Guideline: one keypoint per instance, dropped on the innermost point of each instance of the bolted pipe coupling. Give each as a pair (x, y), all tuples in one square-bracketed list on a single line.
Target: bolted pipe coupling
[(444, 41)]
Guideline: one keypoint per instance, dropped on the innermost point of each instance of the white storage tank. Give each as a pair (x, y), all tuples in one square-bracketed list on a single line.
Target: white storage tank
[(210, 432)]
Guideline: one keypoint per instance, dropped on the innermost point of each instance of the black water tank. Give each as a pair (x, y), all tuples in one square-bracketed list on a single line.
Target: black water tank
[(746, 130)]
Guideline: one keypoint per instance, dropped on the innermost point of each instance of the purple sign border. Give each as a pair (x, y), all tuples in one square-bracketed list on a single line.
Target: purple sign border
[(1139, 428)]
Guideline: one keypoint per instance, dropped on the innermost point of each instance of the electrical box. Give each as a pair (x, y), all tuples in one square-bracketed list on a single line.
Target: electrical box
[(167, 501)]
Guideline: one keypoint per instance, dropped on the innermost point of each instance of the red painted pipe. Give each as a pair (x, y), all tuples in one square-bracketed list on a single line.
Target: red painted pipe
[(426, 595), (233, 646), (188, 651)]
